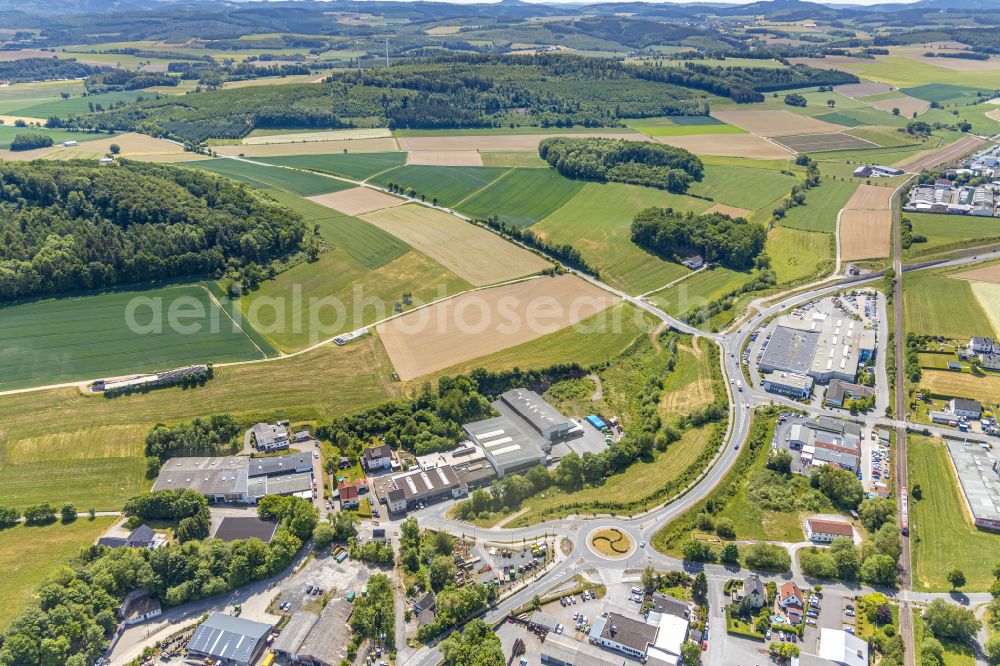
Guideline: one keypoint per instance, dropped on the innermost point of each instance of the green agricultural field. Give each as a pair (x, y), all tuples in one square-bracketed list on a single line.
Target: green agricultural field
[(513, 159), (30, 554), (99, 467), (935, 304), (8, 132), (743, 187), (822, 205), (316, 385), (264, 176), (597, 222), (699, 289), (941, 533), (521, 197), (797, 254), (876, 155), (315, 301), (62, 108), (82, 337), (356, 166), (887, 137), (947, 232), (21, 95), (365, 242), (448, 184), (682, 126), (838, 118), (946, 93), (975, 115)]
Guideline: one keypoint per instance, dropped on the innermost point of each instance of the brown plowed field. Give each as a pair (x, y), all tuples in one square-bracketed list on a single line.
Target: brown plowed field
[(864, 234), (357, 200), (731, 211), (985, 274), (482, 322), (775, 122)]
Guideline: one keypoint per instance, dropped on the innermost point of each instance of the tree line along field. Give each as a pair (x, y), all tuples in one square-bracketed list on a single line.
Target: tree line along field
[(85, 337)]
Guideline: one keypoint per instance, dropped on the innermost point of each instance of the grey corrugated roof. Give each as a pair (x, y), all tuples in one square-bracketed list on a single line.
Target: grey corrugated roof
[(267, 465), (295, 632), (328, 639), (230, 638)]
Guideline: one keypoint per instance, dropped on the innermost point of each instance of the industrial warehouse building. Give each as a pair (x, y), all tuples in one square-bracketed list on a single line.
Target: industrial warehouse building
[(231, 641), (534, 415), (789, 383), (404, 491), (506, 446), (317, 640), (824, 347), (238, 478), (827, 441)]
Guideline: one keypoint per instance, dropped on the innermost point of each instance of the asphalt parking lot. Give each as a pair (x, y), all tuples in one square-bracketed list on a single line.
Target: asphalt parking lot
[(510, 632)]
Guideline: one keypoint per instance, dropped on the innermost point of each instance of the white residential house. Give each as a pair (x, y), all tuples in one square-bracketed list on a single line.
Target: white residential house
[(378, 457), (970, 409), (825, 531)]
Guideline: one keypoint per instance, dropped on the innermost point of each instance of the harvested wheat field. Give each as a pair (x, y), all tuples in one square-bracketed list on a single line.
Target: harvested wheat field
[(731, 211), (777, 122), (485, 321), (311, 148), (864, 89), (357, 200), (994, 115), (497, 142), (870, 197), (984, 274), (443, 30), (332, 135), (930, 159), (471, 252), (134, 146), (728, 145), (864, 234), (458, 158), (907, 105)]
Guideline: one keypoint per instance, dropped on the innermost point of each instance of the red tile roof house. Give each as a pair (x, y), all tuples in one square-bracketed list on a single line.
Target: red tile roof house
[(348, 495), (825, 531), (790, 603)]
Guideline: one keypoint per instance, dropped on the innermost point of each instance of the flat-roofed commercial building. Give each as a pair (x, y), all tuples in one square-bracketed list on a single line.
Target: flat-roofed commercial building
[(403, 491), (218, 479), (238, 478), (838, 350), (979, 475), (789, 383), (790, 349), (624, 634), (290, 463), (541, 418), (507, 448), (561, 650)]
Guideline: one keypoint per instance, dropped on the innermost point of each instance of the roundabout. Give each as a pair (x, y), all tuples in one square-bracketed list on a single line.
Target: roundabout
[(611, 543)]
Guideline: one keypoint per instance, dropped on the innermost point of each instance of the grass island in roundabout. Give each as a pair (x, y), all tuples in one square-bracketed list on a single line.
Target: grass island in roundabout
[(611, 543)]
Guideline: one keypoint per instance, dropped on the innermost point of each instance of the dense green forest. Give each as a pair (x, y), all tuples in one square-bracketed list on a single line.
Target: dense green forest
[(716, 237), (68, 226), (44, 69), (745, 84), (470, 90), (636, 162), (30, 141)]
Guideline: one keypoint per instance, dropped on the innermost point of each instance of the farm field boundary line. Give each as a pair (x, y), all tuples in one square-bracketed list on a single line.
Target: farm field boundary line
[(215, 301), (484, 187)]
